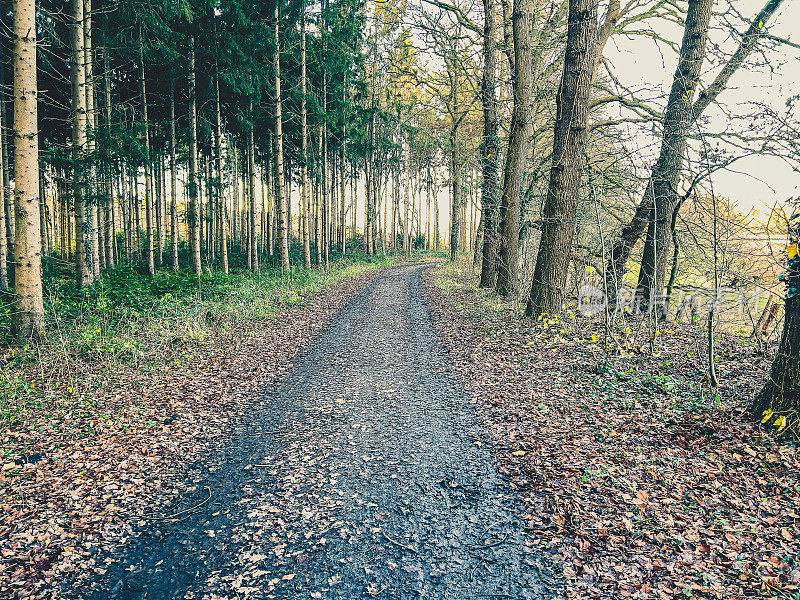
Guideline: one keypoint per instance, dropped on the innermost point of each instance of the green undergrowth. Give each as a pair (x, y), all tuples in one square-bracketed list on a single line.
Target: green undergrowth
[(128, 322)]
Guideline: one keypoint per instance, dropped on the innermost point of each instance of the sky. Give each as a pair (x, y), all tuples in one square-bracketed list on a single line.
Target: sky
[(755, 182)]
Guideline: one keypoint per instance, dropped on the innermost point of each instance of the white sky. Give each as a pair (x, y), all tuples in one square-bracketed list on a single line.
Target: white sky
[(759, 181)]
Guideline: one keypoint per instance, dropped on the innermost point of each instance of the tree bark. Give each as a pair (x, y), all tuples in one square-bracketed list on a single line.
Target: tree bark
[(27, 320), (6, 183), (304, 141), (221, 212), (665, 177), (108, 212), (280, 198), (521, 129), (193, 213), (4, 242), (781, 392), (173, 188), (251, 184), (83, 246), (569, 140), (148, 166), (490, 148)]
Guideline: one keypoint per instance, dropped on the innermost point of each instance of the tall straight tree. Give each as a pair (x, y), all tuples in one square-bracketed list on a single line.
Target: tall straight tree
[(221, 212), (83, 243), (569, 140), (27, 319), (251, 186), (148, 165), (4, 241), (280, 195), (173, 188), (521, 129), (304, 140), (490, 147), (193, 216), (91, 188)]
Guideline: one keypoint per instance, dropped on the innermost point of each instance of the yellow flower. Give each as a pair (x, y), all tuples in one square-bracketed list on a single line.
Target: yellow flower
[(766, 415), (780, 422)]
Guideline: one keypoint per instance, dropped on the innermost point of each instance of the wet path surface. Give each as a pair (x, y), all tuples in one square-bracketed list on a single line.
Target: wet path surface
[(363, 473)]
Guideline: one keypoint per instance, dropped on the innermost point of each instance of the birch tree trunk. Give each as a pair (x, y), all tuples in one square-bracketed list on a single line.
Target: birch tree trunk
[(27, 319)]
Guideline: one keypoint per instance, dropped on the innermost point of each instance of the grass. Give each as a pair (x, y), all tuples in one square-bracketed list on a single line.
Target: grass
[(129, 322)]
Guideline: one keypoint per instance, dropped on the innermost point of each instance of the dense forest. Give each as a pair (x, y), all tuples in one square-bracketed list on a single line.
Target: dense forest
[(162, 157)]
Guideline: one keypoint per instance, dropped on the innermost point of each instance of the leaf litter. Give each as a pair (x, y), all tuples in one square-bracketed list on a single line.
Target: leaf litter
[(642, 488)]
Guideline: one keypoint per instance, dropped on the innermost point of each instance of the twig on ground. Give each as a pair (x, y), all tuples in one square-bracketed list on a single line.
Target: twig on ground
[(396, 543), (178, 514)]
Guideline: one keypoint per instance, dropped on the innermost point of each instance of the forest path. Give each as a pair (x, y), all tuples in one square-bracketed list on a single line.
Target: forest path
[(363, 473)]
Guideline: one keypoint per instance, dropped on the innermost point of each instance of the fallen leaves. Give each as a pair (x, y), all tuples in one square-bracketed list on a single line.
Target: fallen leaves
[(74, 480), (643, 490)]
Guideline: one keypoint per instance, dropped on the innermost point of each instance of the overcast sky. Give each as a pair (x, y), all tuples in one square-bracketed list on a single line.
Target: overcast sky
[(760, 181)]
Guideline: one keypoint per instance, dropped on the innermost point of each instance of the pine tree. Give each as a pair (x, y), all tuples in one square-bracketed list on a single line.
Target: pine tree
[(28, 313)]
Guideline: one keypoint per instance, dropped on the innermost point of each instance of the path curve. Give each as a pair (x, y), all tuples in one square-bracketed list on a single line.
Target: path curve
[(363, 473)]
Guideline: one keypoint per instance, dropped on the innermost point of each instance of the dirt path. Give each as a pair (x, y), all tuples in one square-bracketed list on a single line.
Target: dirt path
[(363, 473)]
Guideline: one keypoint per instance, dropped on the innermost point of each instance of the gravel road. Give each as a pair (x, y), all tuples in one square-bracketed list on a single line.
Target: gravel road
[(362, 473)]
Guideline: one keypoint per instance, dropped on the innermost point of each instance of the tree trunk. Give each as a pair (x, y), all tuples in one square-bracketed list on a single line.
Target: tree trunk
[(780, 397), (173, 187), (490, 148), (221, 212), (280, 198), (665, 178), (455, 194), (251, 184), (27, 317), (148, 166), (4, 242), (623, 246), (6, 183), (108, 212), (83, 246), (304, 142), (193, 213), (91, 186), (569, 139), (521, 129)]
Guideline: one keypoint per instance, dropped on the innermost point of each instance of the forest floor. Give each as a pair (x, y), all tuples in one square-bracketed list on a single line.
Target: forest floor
[(353, 468), (642, 482), (395, 434)]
